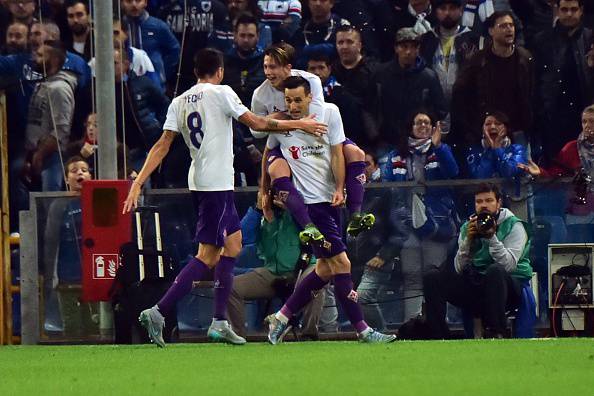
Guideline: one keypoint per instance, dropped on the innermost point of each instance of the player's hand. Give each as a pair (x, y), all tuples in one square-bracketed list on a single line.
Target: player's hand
[(472, 231), (132, 199), (436, 135), (313, 127), (530, 168), (376, 262), (337, 198)]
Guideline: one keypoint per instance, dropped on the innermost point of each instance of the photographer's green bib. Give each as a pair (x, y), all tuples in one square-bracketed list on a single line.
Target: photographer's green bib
[(482, 258)]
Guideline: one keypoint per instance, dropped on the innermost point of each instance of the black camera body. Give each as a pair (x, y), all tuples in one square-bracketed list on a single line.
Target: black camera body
[(485, 221)]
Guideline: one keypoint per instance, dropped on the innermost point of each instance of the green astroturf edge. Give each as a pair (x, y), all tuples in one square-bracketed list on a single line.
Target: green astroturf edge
[(563, 367)]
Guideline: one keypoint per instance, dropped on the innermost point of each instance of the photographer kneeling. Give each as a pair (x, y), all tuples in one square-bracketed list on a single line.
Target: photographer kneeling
[(491, 262)]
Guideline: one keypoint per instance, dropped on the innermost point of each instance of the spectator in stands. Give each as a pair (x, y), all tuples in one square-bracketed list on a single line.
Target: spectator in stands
[(318, 34), (450, 45), (140, 111), (536, 16), (239, 7), (87, 148), (319, 64), (50, 115), (62, 244), (564, 60), (277, 245), (283, 17), (155, 37), (425, 226), (500, 78), (17, 39), (373, 172), (357, 12), (199, 25), (497, 156), (353, 70), (488, 269), (405, 85), (23, 11), (78, 40), (243, 62), (577, 156)]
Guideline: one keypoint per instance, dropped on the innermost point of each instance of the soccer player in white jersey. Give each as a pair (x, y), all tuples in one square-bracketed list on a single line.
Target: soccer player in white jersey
[(317, 165), (203, 116), (269, 99)]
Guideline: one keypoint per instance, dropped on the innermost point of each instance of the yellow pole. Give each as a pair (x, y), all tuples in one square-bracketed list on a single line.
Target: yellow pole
[(6, 281)]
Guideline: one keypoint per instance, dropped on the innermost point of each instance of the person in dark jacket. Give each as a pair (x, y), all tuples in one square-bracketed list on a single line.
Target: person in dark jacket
[(497, 156), (405, 85), (564, 59), (500, 78), (153, 36), (425, 227), (450, 45), (243, 62), (140, 109)]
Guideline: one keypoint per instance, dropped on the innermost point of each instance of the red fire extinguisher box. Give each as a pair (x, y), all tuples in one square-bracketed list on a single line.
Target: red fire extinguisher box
[(104, 230)]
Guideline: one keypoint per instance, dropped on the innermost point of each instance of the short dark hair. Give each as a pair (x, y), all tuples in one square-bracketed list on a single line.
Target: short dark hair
[(72, 3), (320, 57), (487, 188), (72, 160), (57, 50), (245, 19), (294, 82), (207, 61), (282, 53), (348, 29), (490, 22), (499, 116), (580, 2)]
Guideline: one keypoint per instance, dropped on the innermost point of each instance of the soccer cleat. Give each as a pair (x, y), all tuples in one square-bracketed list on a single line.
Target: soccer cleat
[(220, 331), (360, 222), (375, 337), (311, 235), (152, 320), (277, 330)]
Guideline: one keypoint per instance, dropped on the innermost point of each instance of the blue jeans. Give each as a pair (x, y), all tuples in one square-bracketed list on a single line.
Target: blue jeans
[(52, 174), (372, 282)]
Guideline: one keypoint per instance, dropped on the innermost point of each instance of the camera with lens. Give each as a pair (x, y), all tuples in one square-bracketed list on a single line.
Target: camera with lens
[(485, 221)]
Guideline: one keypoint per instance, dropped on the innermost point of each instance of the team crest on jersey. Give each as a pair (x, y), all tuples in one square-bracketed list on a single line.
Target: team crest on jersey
[(282, 196), (206, 5), (295, 151), (353, 296), (362, 178)]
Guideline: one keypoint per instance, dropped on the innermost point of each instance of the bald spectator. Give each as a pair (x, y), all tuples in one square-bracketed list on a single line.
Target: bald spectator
[(17, 39)]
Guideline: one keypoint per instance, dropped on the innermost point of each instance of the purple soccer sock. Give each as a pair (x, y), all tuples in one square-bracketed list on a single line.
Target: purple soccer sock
[(355, 186), (292, 199), (195, 270), (223, 277), (347, 297), (303, 294)]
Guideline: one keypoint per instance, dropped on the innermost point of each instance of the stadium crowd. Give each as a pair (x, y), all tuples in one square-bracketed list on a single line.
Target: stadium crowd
[(429, 89)]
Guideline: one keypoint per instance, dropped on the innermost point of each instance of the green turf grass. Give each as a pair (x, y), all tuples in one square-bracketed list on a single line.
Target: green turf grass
[(561, 367)]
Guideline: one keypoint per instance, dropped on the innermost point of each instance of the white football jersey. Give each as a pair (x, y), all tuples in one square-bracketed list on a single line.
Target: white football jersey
[(204, 116), (309, 157), (267, 99)]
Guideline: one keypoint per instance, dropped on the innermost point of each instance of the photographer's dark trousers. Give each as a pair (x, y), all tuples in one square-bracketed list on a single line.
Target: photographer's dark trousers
[(487, 296)]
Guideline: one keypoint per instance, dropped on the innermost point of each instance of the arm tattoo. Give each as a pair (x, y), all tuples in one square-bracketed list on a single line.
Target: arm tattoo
[(271, 124)]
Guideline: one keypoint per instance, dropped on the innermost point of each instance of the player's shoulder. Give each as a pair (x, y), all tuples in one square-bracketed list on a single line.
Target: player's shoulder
[(331, 110), (305, 74), (262, 89)]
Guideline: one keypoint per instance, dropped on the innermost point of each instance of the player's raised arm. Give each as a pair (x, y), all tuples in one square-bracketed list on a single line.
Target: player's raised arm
[(153, 159), (258, 123)]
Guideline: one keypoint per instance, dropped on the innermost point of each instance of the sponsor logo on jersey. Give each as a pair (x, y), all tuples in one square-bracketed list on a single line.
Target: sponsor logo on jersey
[(295, 151)]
